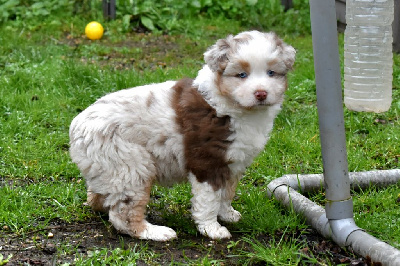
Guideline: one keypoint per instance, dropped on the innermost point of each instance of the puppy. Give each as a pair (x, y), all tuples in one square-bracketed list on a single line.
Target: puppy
[(205, 131)]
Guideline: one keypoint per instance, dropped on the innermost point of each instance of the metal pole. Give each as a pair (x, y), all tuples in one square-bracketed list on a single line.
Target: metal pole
[(330, 109), (288, 4), (396, 27), (109, 9)]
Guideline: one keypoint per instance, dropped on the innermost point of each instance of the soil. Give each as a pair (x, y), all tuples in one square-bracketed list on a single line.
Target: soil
[(61, 243), (139, 51)]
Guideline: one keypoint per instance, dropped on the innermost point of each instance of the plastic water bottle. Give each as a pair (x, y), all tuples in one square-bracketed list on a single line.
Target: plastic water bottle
[(368, 57)]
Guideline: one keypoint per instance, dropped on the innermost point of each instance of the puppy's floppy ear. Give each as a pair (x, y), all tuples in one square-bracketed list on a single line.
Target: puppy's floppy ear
[(288, 55), (286, 52), (216, 56)]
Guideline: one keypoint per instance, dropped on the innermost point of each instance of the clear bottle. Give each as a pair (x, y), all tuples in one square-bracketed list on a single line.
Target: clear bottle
[(368, 57)]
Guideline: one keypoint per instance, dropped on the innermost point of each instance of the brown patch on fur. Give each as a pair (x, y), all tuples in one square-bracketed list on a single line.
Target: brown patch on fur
[(222, 65), (245, 66), (223, 88), (223, 44), (96, 201), (287, 60), (244, 38), (277, 40), (230, 189), (150, 100), (273, 62), (137, 212), (217, 55), (205, 135), (162, 139), (224, 91), (131, 212)]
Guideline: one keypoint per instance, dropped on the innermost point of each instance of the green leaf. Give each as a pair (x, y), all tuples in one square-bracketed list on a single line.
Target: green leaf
[(38, 5), (5, 261), (206, 3), (10, 3), (126, 21), (147, 22), (251, 2), (196, 4)]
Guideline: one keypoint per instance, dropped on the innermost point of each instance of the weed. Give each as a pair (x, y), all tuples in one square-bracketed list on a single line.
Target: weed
[(4, 261), (283, 252), (13, 9), (116, 256)]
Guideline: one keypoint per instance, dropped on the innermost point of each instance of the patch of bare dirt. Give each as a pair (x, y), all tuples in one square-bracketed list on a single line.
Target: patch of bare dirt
[(61, 243), (140, 51)]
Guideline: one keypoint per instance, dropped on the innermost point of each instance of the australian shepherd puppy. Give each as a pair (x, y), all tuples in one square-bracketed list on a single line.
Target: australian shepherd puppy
[(205, 130)]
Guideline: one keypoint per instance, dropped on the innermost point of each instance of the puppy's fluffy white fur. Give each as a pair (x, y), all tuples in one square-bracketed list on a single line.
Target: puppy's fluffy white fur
[(205, 131)]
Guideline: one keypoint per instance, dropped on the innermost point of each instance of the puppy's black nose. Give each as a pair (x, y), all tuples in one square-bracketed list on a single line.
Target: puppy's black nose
[(261, 95)]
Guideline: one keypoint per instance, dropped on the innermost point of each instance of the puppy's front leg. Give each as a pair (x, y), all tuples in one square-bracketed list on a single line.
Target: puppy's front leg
[(226, 212), (206, 203)]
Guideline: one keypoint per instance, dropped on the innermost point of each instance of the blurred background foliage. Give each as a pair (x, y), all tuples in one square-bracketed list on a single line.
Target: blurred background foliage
[(166, 16)]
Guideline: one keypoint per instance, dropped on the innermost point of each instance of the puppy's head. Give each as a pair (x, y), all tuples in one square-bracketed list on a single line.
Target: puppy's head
[(251, 68)]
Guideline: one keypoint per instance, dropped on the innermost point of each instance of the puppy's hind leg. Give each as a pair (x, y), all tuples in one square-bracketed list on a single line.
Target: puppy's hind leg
[(205, 207), (128, 216), (96, 201)]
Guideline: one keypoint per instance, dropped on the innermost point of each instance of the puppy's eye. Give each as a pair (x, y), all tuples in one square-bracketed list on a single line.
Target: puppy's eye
[(242, 75), (271, 73)]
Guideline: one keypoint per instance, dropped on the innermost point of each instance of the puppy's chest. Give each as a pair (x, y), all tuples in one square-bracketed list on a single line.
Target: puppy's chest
[(248, 139), (215, 144)]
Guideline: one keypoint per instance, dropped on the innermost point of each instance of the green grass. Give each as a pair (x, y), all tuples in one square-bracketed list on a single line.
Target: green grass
[(377, 210), (49, 73), (118, 256), (277, 252), (25, 208)]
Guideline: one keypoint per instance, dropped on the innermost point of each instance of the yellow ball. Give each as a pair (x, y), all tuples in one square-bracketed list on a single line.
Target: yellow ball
[(94, 30)]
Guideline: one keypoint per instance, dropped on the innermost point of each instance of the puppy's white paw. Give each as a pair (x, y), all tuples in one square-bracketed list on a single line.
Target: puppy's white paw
[(214, 230), (231, 215), (157, 233)]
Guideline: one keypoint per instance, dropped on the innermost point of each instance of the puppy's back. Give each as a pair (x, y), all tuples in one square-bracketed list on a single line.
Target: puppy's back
[(117, 126)]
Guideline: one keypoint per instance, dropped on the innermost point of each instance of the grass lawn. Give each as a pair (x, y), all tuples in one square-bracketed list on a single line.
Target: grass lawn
[(49, 72)]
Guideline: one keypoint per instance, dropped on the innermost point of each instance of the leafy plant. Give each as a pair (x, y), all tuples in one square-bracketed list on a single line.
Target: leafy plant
[(151, 15), (167, 15), (7, 9), (27, 9), (4, 261)]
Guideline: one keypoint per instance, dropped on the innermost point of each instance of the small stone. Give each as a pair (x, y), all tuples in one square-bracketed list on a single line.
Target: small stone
[(50, 235), (50, 249)]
